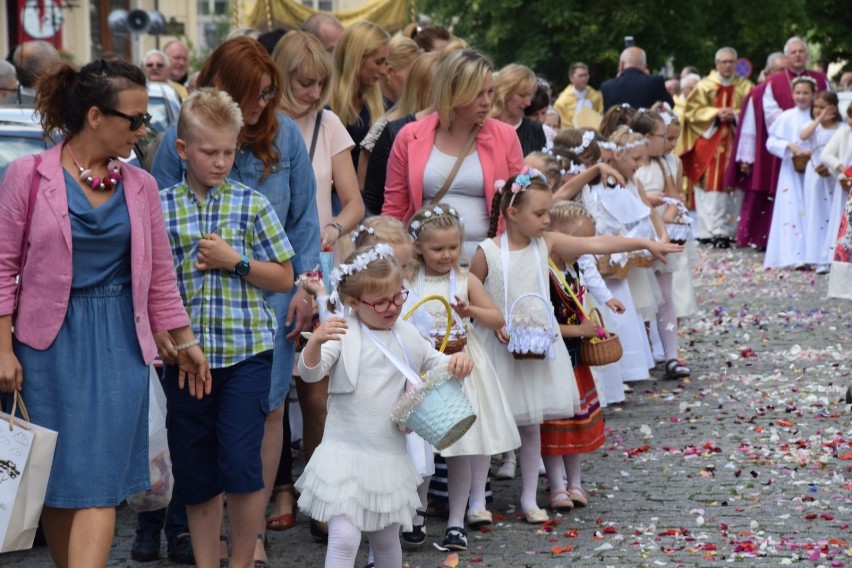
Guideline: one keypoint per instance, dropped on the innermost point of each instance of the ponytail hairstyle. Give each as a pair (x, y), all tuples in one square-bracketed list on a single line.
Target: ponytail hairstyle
[(439, 217), (615, 117), (512, 193), (65, 95)]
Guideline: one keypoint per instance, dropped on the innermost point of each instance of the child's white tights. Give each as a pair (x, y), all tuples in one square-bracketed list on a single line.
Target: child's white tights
[(666, 318), (466, 479), (561, 467), (344, 540), (529, 455)]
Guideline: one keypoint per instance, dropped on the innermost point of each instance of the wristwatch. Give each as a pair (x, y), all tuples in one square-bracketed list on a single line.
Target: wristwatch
[(242, 268)]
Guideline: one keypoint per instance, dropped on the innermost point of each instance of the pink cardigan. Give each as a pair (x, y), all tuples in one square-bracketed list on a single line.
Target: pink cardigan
[(499, 153), (46, 276)]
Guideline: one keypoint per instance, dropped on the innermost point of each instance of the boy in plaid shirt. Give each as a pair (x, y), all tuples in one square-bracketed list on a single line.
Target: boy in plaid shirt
[(228, 246)]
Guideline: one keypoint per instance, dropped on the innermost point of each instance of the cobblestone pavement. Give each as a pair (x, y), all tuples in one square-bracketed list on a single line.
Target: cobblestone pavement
[(749, 461)]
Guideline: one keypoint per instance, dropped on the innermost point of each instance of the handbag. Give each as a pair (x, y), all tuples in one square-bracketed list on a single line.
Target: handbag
[(594, 351), (446, 187), (159, 459), (27, 224), (26, 458)]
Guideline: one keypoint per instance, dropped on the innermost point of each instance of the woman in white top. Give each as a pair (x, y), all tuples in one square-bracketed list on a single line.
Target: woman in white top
[(307, 69)]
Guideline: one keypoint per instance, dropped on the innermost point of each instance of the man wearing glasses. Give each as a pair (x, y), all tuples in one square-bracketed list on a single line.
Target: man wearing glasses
[(577, 95), (711, 121)]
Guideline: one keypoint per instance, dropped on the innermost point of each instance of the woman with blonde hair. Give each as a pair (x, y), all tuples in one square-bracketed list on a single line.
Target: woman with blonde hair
[(458, 136), (307, 69), (360, 59), (414, 103), (514, 87), (402, 52)]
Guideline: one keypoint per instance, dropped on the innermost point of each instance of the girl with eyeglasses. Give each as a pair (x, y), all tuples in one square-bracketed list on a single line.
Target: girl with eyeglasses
[(85, 233), (272, 159), (360, 478)]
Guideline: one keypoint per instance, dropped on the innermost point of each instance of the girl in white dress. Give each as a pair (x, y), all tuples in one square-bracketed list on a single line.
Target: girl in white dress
[(819, 185), (660, 192), (532, 365), (786, 245), (438, 238), (360, 477), (619, 210)]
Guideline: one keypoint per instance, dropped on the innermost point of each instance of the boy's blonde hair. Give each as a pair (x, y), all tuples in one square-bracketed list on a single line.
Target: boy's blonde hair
[(208, 108), (360, 40), (512, 78), (458, 81), (301, 53)]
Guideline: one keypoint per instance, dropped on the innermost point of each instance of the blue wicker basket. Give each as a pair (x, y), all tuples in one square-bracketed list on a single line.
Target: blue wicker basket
[(437, 410)]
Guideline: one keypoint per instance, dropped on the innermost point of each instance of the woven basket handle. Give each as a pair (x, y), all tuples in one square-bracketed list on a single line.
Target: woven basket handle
[(546, 303), (449, 316)]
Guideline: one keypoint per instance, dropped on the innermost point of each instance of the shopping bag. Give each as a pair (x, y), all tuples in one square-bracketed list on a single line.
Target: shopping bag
[(159, 459), (26, 457), (327, 266)]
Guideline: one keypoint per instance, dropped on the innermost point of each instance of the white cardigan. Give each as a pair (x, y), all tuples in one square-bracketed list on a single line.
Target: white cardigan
[(344, 377), (835, 154)]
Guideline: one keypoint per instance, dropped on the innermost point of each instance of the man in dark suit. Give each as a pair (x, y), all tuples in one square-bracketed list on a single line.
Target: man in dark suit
[(634, 85)]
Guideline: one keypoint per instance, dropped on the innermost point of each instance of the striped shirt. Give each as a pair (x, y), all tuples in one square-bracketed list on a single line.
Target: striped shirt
[(229, 316)]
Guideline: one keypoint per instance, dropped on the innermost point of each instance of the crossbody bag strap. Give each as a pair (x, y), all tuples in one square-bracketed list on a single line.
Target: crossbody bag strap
[(316, 135), (446, 187)]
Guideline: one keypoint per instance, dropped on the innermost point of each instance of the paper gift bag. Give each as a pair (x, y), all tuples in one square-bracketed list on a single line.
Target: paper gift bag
[(26, 457)]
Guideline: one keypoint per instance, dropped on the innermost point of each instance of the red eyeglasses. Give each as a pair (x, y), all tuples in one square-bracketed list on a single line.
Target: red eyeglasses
[(385, 304)]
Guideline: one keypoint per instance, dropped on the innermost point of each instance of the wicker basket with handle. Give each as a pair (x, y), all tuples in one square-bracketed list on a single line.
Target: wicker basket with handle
[(452, 341), (530, 342)]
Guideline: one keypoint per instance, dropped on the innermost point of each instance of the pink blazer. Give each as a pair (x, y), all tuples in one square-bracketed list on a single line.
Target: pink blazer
[(499, 153), (46, 275)]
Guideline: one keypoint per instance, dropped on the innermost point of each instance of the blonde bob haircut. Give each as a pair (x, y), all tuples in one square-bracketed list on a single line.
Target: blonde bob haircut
[(208, 108), (360, 41), (458, 81), (402, 52), (300, 54), (417, 93), (511, 79), (623, 136)]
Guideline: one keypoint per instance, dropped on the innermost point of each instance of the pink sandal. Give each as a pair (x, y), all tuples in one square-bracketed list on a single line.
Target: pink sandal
[(578, 496), (560, 500)]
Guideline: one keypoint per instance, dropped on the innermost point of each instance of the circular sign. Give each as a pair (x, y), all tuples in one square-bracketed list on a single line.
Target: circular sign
[(743, 68), (41, 19)]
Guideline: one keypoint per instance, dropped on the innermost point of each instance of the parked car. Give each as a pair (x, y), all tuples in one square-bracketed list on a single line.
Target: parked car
[(20, 134)]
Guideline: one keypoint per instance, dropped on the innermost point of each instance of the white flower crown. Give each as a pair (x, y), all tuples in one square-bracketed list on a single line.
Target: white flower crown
[(361, 229), (435, 213), (360, 262), (588, 138)]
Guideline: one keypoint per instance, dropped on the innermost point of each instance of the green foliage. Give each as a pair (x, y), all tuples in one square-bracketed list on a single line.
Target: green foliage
[(548, 35)]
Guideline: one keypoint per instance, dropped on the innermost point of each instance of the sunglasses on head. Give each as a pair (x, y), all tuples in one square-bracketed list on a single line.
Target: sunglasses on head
[(135, 121)]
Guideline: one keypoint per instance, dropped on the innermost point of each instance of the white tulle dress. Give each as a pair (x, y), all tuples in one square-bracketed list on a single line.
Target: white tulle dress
[(537, 390)]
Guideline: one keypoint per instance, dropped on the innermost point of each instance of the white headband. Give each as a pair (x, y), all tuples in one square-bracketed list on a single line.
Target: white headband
[(360, 262)]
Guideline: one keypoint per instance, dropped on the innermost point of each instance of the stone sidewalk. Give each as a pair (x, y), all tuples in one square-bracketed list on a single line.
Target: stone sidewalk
[(749, 461)]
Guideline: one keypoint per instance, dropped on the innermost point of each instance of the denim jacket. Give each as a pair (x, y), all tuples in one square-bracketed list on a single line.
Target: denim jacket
[(290, 187)]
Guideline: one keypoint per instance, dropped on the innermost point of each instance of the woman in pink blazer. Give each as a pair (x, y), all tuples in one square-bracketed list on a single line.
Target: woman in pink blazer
[(96, 282), (424, 152)]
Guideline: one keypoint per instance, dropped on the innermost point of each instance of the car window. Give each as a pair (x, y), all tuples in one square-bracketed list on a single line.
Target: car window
[(13, 147)]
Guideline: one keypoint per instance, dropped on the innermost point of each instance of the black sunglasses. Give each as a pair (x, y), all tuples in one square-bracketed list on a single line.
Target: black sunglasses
[(135, 121)]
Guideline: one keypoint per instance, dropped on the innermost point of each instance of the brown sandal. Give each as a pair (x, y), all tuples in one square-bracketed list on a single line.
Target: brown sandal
[(287, 520)]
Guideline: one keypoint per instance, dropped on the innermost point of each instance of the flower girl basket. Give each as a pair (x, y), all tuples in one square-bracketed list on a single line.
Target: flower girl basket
[(436, 408), (595, 351)]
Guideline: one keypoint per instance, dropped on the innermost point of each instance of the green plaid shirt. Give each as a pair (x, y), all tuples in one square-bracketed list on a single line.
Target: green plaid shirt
[(230, 317)]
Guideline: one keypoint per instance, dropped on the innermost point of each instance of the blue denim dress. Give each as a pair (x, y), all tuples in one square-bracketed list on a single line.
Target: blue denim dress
[(291, 188), (91, 384)]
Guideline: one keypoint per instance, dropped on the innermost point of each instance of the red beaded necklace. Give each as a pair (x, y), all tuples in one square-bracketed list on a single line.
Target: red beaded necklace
[(108, 182)]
